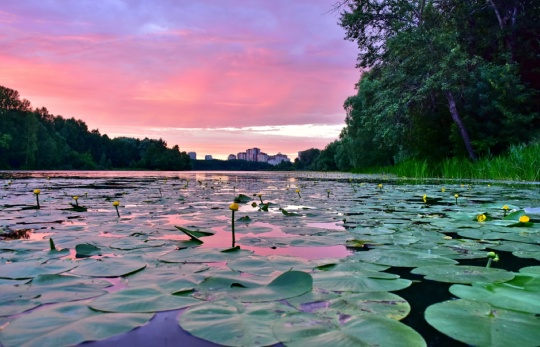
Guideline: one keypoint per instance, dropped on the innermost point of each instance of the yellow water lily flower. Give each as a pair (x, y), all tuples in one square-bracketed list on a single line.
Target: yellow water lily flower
[(37, 191), (424, 198), (524, 219), (233, 207), (116, 203), (481, 217)]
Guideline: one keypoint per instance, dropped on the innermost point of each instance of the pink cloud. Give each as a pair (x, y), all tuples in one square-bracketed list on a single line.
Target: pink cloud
[(179, 63)]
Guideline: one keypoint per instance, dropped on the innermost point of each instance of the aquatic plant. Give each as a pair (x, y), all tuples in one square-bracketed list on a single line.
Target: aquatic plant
[(76, 198), (233, 207), (36, 193), (116, 203)]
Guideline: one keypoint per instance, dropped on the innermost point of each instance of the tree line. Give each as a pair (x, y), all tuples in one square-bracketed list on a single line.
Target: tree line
[(440, 79), (34, 139)]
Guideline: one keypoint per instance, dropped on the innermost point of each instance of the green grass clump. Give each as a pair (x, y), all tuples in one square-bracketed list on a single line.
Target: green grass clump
[(520, 163)]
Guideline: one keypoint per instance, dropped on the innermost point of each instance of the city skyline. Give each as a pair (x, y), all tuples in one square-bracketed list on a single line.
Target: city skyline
[(250, 154), (206, 76)]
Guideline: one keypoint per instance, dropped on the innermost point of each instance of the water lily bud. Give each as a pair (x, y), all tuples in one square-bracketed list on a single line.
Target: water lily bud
[(37, 191), (116, 203), (233, 207), (481, 217), (492, 255)]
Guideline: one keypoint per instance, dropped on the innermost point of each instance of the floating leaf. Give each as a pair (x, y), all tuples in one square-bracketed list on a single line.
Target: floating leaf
[(463, 273), (27, 269), (334, 305), (287, 285), (359, 282), (242, 199), (231, 323), (87, 250), (134, 243), (481, 324), (504, 295), (67, 325), (109, 267), (143, 299), (402, 258), (194, 234), (303, 329), (267, 265)]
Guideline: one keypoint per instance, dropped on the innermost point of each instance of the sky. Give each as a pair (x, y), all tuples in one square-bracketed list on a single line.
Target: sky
[(211, 76)]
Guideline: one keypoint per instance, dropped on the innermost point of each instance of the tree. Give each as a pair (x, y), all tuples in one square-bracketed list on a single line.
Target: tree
[(423, 66)]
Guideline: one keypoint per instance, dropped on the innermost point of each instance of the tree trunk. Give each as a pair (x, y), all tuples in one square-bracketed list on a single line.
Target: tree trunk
[(459, 123)]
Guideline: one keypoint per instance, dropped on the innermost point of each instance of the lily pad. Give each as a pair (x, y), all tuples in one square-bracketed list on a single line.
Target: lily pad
[(230, 323), (463, 273), (359, 282), (66, 325), (503, 295), (334, 305), (303, 329), (109, 267), (27, 269), (142, 299), (135, 243), (267, 265), (87, 250), (481, 324), (402, 258), (287, 285)]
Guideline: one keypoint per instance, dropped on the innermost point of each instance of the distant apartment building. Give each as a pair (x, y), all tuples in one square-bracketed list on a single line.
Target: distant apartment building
[(262, 157), (192, 155), (208, 157), (277, 159), (231, 157), (242, 156), (252, 154)]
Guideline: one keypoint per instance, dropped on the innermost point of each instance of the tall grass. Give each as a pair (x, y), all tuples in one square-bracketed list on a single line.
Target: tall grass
[(520, 163)]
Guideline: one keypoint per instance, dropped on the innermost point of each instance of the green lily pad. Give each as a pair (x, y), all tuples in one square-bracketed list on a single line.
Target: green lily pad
[(12, 307), (402, 258), (109, 267), (463, 273), (201, 255), (303, 329), (334, 305), (359, 282), (242, 199), (194, 234), (267, 265), (87, 250), (134, 243), (481, 324), (287, 285), (230, 323), (142, 299), (503, 295), (27, 269), (60, 288), (66, 325)]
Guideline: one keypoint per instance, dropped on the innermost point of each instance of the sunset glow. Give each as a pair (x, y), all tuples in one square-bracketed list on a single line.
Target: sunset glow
[(214, 77)]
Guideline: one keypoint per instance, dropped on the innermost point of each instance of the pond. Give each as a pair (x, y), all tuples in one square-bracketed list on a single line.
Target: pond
[(316, 259)]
